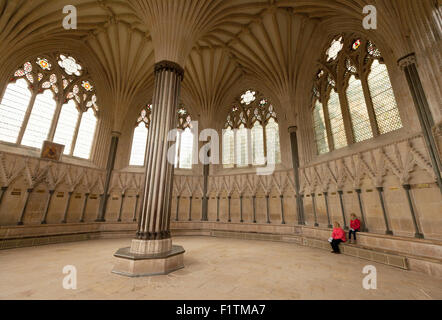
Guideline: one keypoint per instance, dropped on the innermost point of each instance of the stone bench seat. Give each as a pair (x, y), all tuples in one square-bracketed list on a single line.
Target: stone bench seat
[(431, 266), (356, 245)]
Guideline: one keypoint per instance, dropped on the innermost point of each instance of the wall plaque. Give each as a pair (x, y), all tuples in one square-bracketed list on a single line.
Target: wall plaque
[(52, 151)]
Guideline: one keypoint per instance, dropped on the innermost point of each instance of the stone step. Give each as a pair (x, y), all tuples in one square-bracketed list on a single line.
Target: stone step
[(383, 257), (433, 260)]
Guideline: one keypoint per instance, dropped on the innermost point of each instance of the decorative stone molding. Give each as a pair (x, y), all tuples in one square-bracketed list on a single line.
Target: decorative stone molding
[(169, 66), (406, 61), (150, 246), (293, 129), (401, 160), (37, 171)]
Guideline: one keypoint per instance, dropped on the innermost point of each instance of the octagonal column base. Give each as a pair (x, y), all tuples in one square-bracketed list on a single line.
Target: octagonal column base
[(143, 265)]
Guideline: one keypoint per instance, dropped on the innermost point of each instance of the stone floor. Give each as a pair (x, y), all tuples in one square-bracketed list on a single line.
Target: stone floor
[(216, 268)]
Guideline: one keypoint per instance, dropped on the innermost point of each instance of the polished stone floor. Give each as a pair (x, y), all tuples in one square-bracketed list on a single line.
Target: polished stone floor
[(216, 268)]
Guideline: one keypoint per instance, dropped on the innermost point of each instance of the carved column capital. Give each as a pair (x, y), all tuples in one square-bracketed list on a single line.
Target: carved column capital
[(169, 66), (406, 61), (293, 129)]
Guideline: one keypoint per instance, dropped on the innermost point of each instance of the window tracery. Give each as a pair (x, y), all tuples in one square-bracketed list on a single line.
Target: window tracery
[(353, 99), (58, 92), (251, 132)]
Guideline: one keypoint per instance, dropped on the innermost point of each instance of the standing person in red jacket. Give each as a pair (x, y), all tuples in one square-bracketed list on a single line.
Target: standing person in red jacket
[(355, 226), (338, 236)]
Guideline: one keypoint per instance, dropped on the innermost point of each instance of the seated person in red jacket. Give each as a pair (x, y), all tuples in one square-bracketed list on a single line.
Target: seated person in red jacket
[(338, 236), (355, 226)]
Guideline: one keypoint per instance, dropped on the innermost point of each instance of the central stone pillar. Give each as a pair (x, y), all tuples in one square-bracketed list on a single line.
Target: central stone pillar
[(152, 252)]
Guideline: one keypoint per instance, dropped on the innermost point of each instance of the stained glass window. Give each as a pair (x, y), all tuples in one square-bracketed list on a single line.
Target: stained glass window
[(40, 120), (67, 123), (320, 128), (273, 146), (13, 107), (228, 148), (241, 147), (384, 103), (245, 140), (70, 65), (184, 154), (183, 144), (44, 63), (335, 48), (139, 139), (355, 64), (45, 90), (139, 142), (258, 144), (186, 149), (358, 110), (86, 134), (248, 97), (356, 44), (336, 121)]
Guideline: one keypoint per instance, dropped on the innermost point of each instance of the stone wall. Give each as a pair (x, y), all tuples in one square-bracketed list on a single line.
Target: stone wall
[(390, 167)]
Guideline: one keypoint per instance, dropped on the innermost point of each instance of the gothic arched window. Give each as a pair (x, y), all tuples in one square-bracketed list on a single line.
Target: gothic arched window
[(353, 98), (50, 98), (139, 140), (184, 141), (251, 133), (185, 138)]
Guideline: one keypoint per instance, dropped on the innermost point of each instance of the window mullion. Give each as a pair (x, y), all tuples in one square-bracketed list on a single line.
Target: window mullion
[(77, 128), (346, 116), (249, 148), (264, 143), (26, 118), (178, 149), (235, 145), (331, 142), (54, 124), (370, 107)]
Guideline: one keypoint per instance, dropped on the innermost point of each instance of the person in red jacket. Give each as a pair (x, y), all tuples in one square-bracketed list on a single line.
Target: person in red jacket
[(355, 226), (338, 236)]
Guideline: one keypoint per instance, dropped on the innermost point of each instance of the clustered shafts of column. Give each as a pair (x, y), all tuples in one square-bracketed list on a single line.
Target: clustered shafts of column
[(155, 218)]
